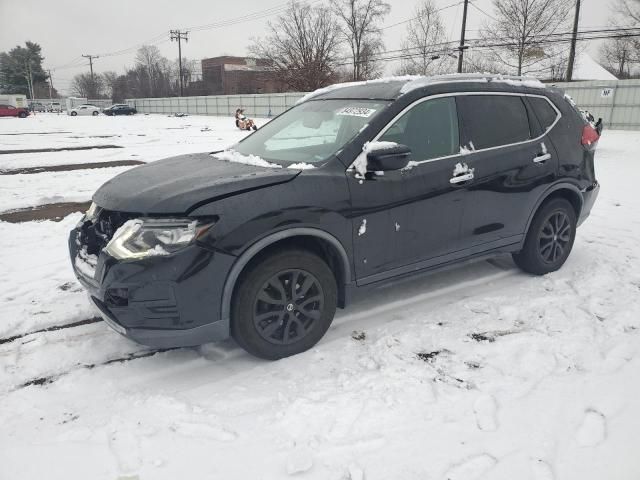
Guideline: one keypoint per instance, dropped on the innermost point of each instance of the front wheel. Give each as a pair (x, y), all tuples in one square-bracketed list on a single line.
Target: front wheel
[(550, 238), (95, 114), (22, 115), (73, 114), (284, 304)]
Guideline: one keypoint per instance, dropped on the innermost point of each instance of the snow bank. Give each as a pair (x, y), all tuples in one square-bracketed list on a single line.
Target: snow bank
[(236, 157)]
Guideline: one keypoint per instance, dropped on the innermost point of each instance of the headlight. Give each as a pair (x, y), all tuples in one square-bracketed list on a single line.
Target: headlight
[(91, 213), (140, 238)]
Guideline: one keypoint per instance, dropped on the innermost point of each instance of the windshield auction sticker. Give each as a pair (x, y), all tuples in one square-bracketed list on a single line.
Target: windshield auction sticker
[(356, 111)]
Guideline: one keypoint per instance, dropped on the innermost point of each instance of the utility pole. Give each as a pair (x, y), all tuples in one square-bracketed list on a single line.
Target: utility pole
[(574, 37), (93, 82), (461, 48), (179, 35), (27, 71), (50, 84)]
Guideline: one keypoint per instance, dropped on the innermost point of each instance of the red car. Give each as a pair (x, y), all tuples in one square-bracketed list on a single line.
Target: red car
[(11, 111)]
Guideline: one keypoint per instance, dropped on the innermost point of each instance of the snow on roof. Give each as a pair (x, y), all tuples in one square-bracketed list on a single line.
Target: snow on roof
[(412, 82), (335, 86), (587, 68)]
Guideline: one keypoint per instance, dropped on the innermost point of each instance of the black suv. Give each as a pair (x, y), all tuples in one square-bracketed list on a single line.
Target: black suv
[(120, 109), (356, 185)]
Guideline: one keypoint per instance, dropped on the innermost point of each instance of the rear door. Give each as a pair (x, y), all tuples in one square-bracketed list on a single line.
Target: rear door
[(511, 163)]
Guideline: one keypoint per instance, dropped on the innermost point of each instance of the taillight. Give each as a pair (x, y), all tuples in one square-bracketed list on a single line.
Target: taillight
[(589, 136)]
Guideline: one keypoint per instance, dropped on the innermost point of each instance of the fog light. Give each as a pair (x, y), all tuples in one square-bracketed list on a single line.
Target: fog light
[(117, 297)]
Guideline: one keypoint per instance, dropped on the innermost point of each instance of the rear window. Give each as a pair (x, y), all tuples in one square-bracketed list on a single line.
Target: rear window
[(494, 120), (544, 112)]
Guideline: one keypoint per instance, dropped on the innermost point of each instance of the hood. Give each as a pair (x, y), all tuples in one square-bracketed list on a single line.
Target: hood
[(178, 184)]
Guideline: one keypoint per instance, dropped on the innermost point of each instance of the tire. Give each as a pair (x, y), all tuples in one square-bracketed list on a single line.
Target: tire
[(73, 114), (22, 115), (95, 114), (264, 304), (550, 238)]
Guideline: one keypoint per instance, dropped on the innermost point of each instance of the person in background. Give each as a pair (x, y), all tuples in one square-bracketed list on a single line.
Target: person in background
[(244, 123)]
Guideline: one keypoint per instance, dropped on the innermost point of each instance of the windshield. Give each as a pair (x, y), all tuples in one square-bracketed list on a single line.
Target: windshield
[(311, 132)]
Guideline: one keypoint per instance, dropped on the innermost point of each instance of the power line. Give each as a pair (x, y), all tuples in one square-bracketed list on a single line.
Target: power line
[(418, 16), (582, 36), (482, 11)]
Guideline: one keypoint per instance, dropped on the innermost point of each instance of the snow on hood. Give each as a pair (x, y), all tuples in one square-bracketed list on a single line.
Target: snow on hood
[(237, 157)]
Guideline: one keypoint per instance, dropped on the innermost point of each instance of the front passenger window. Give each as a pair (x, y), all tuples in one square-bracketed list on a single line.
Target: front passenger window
[(429, 129)]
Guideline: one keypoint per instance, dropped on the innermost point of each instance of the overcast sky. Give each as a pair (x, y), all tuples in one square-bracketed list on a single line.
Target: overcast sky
[(67, 29)]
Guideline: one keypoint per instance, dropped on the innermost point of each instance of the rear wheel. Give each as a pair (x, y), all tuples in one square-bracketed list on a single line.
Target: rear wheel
[(284, 304), (95, 113), (73, 114), (549, 239), (22, 115)]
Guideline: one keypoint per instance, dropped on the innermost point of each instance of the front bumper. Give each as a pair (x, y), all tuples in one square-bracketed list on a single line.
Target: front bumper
[(167, 301)]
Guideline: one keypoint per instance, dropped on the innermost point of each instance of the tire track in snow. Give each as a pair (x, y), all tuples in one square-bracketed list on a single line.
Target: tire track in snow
[(53, 328), (89, 366)]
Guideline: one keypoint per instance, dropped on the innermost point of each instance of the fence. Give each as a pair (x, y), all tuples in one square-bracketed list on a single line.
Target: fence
[(259, 105), (616, 101), (74, 102)]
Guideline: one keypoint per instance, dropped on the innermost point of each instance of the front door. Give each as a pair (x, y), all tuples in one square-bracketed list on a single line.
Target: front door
[(403, 218)]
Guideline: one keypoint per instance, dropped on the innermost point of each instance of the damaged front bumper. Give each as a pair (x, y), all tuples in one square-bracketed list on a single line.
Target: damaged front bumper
[(168, 301)]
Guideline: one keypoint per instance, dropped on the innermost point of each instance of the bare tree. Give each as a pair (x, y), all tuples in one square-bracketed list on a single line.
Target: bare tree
[(617, 56), (156, 70), (629, 9), (423, 46), (359, 25), (522, 33), (302, 46), (83, 85)]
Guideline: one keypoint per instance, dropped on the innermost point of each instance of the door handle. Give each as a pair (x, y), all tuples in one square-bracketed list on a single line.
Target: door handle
[(461, 178), (541, 158)]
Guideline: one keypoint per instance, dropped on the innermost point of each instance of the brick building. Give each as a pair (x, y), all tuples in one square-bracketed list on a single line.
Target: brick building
[(239, 75)]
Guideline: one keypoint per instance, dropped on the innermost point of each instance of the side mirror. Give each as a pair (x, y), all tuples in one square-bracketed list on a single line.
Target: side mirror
[(387, 156)]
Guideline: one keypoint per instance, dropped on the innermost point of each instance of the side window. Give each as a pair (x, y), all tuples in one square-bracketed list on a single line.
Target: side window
[(494, 120), (544, 112), (430, 129)]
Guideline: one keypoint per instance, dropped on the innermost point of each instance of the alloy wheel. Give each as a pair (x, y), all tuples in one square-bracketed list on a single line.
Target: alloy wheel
[(555, 237), (288, 306)]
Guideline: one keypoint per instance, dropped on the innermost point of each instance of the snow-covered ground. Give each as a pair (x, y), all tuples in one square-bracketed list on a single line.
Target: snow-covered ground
[(481, 372)]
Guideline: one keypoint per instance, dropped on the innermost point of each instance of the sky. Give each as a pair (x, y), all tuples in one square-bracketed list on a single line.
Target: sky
[(67, 29)]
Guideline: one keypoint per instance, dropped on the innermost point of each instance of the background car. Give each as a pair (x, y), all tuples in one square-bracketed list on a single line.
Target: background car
[(120, 109), (37, 107), (11, 111), (84, 110), (54, 107)]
